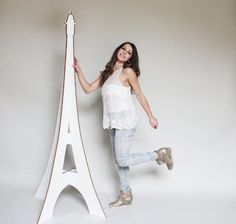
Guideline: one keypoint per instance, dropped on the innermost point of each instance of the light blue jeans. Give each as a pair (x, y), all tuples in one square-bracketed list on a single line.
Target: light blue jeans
[(121, 143)]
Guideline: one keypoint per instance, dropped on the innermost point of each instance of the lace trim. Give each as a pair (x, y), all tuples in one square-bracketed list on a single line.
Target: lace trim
[(120, 120)]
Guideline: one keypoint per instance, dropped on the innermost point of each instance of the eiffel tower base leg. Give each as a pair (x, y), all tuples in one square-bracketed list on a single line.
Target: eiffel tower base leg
[(85, 188), (49, 204)]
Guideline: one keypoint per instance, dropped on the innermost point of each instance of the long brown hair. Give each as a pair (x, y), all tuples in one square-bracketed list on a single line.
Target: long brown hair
[(133, 63)]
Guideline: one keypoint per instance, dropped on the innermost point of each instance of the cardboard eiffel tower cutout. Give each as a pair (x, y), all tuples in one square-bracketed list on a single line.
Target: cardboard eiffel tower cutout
[(68, 135)]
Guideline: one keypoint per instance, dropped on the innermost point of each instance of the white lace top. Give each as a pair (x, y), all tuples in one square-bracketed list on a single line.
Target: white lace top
[(118, 104)]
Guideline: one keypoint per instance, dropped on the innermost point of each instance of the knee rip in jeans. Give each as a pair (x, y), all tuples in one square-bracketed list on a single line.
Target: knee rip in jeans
[(122, 161)]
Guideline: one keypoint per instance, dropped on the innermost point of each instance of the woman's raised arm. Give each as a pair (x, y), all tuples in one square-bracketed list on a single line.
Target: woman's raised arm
[(87, 87)]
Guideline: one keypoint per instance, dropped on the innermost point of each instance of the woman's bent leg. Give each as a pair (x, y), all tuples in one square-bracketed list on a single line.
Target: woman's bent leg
[(122, 144)]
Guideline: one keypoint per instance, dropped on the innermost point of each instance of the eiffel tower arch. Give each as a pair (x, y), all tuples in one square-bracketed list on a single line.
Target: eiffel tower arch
[(68, 136)]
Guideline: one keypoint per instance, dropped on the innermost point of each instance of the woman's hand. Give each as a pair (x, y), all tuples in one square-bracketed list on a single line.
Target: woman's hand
[(77, 66), (87, 87), (153, 121)]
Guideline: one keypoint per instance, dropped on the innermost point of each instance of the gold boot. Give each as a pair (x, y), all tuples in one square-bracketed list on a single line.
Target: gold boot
[(164, 156), (125, 198)]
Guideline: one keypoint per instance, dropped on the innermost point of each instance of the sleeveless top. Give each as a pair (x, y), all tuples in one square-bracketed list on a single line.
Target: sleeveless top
[(118, 104)]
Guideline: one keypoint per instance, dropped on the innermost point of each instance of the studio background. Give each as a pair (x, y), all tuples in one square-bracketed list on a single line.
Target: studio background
[(187, 61)]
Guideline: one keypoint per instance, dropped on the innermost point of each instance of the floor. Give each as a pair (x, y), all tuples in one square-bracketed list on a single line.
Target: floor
[(18, 206)]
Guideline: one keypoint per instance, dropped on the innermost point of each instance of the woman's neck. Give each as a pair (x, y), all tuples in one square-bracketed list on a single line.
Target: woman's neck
[(118, 65)]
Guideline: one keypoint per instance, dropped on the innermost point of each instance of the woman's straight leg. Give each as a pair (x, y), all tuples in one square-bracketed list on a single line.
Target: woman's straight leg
[(122, 171)]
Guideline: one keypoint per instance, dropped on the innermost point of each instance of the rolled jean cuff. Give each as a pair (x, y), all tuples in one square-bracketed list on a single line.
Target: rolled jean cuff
[(152, 156)]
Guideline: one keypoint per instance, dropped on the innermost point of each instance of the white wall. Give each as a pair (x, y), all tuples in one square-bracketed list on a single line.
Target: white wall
[(187, 58)]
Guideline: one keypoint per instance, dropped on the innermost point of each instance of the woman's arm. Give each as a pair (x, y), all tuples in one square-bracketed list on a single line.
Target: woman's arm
[(87, 87), (133, 81)]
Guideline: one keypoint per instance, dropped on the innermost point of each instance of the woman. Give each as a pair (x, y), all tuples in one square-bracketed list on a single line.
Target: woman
[(118, 80)]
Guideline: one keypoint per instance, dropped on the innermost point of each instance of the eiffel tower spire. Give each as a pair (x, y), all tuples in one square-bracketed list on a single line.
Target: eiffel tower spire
[(68, 134)]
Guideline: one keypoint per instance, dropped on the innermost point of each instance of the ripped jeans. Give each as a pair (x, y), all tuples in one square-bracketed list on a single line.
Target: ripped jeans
[(121, 143)]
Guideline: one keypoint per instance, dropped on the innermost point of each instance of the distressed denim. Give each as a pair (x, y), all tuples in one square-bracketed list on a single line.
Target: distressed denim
[(121, 143)]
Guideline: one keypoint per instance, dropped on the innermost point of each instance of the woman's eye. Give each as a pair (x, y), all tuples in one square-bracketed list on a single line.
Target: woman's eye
[(129, 53)]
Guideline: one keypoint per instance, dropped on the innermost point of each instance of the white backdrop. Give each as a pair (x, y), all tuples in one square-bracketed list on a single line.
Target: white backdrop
[(187, 59)]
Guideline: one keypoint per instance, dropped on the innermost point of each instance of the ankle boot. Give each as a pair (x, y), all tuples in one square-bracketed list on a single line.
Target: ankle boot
[(164, 156), (125, 198)]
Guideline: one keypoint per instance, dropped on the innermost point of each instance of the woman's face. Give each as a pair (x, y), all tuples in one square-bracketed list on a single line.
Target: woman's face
[(125, 53)]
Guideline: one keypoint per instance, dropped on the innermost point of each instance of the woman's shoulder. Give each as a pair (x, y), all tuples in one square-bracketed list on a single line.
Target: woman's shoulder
[(130, 73), (128, 70)]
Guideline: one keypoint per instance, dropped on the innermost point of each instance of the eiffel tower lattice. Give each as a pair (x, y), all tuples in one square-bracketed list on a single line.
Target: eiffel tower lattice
[(67, 135)]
